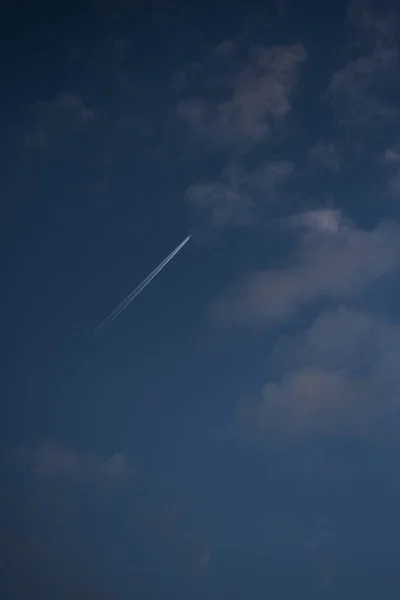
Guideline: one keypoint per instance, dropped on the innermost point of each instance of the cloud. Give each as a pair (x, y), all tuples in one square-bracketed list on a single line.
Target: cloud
[(270, 176), (324, 153), (352, 87), (394, 183), (323, 220), (225, 50), (240, 197), (244, 103), (24, 560), (54, 120), (234, 104), (152, 521), (51, 460), (225, 206), (392, 158), (340, 375), (183, 78), (364, 90), (333, 261)]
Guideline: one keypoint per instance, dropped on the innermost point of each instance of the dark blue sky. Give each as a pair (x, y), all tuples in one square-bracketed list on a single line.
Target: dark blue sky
[(234, 433)]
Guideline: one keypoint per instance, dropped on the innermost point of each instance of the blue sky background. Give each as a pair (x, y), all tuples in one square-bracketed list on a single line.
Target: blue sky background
[(234, 434)]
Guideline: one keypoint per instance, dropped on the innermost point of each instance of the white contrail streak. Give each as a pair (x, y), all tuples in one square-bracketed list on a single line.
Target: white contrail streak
[(125, 303)]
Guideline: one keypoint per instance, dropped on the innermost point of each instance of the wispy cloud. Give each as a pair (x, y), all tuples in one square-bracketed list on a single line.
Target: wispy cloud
[(54, 120), (52, 460), (325, 154), (22, 558), (270, 177)]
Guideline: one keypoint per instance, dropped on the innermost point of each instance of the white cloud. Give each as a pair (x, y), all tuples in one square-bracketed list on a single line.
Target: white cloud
[(332, 262), (51, 460), (341, 375), (257, 95)]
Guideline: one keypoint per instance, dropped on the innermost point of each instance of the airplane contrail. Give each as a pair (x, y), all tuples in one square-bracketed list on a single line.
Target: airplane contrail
[(125, 303)]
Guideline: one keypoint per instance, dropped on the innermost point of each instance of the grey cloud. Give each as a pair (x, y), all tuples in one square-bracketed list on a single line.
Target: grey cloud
[(52, 460), (310, 397), (23, 558), (239, 105), (325, 153), (270, 176), (56, 119), (328, 265), (182, 78), (392, 158), (239, 198), (342, 338), (352, 86), (258, 95), (364, 19), (225, 206), (394, 183), (326, 220), (151, 520), (341, 377), (225, 49), (362, 90)]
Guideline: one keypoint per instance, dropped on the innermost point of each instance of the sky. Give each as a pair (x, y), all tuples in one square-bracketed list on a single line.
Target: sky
[(234, 433)]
